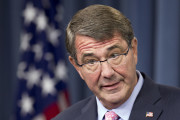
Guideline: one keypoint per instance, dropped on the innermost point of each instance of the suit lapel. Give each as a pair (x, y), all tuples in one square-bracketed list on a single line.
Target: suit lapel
[(89, 112), (144, 113), (148, 100)]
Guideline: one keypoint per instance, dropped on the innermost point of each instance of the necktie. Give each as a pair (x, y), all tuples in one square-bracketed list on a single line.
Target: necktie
[(111, 116)]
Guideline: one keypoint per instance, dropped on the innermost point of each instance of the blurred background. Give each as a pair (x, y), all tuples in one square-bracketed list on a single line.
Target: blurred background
[(36, 79)]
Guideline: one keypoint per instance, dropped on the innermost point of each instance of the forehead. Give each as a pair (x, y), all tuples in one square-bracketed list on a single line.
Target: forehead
[(85, 43)]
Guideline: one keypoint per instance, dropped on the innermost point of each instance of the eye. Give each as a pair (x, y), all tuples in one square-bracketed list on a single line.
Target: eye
[(91, 61), (114, 55)]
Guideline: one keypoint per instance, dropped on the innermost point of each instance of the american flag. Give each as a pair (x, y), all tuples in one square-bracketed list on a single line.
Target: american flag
[(149, 114), (42, 72)]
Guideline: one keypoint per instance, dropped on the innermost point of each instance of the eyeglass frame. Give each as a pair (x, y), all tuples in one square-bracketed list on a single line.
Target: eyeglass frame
[(105, 59)]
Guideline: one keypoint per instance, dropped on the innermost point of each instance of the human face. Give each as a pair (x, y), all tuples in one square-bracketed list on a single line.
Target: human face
[(112, 85)]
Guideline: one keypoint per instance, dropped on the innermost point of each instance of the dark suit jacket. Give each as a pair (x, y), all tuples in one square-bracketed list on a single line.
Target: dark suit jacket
[(163, 101)]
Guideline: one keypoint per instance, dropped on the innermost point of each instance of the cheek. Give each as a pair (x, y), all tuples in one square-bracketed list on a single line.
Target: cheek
[(91, 79), (127, 70), (122, 70)]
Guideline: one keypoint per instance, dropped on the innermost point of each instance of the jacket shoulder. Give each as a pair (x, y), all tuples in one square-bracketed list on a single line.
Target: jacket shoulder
[(170, 97), (170, 93), (73, 111)]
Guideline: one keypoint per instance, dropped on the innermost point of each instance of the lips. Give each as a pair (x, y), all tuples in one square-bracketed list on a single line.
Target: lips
[(110, 87)]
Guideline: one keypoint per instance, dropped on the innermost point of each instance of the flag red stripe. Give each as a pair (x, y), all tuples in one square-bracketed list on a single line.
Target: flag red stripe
[(51, 111)]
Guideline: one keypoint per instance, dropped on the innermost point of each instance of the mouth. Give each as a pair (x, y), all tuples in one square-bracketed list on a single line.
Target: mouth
[(110, 87)]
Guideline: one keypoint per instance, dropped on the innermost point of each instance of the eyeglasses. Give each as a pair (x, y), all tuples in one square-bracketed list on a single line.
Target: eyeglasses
[(114, 60)]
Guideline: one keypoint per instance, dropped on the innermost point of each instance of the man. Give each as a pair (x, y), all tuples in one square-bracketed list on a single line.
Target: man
[(103, 49)]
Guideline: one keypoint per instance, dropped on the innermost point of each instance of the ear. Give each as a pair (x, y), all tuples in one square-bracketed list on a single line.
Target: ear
[(73, 62), (134, 48)]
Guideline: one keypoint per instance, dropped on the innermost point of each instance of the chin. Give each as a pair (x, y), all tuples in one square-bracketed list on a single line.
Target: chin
[(117, 98), (114, 98)]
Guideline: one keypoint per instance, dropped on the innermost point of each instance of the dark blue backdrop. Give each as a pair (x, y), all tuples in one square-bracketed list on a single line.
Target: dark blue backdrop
[(156, 24)]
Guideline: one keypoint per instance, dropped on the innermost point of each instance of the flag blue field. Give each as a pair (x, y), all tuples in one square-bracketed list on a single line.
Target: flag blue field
[(42, 72)]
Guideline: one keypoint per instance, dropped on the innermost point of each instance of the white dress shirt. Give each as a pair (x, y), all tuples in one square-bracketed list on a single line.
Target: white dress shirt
[(125, 109)]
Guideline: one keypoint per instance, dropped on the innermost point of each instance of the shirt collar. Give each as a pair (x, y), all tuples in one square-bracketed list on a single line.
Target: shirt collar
[(125, 109)]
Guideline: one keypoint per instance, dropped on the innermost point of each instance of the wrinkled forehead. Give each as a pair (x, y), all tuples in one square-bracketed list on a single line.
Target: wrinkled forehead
[(84, 43)]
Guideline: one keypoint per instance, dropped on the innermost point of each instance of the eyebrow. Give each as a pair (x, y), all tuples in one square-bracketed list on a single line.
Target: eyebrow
[(115, 46)]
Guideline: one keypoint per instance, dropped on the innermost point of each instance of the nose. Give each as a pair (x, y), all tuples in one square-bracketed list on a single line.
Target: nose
[(106, 70)]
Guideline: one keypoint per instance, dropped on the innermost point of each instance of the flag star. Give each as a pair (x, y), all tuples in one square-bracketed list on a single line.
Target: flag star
[(53, 35), (37, 48), (41, 21), (61, 71), (25, 38), (48, 85), (29, 13), (33, 77), (26, 104)]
